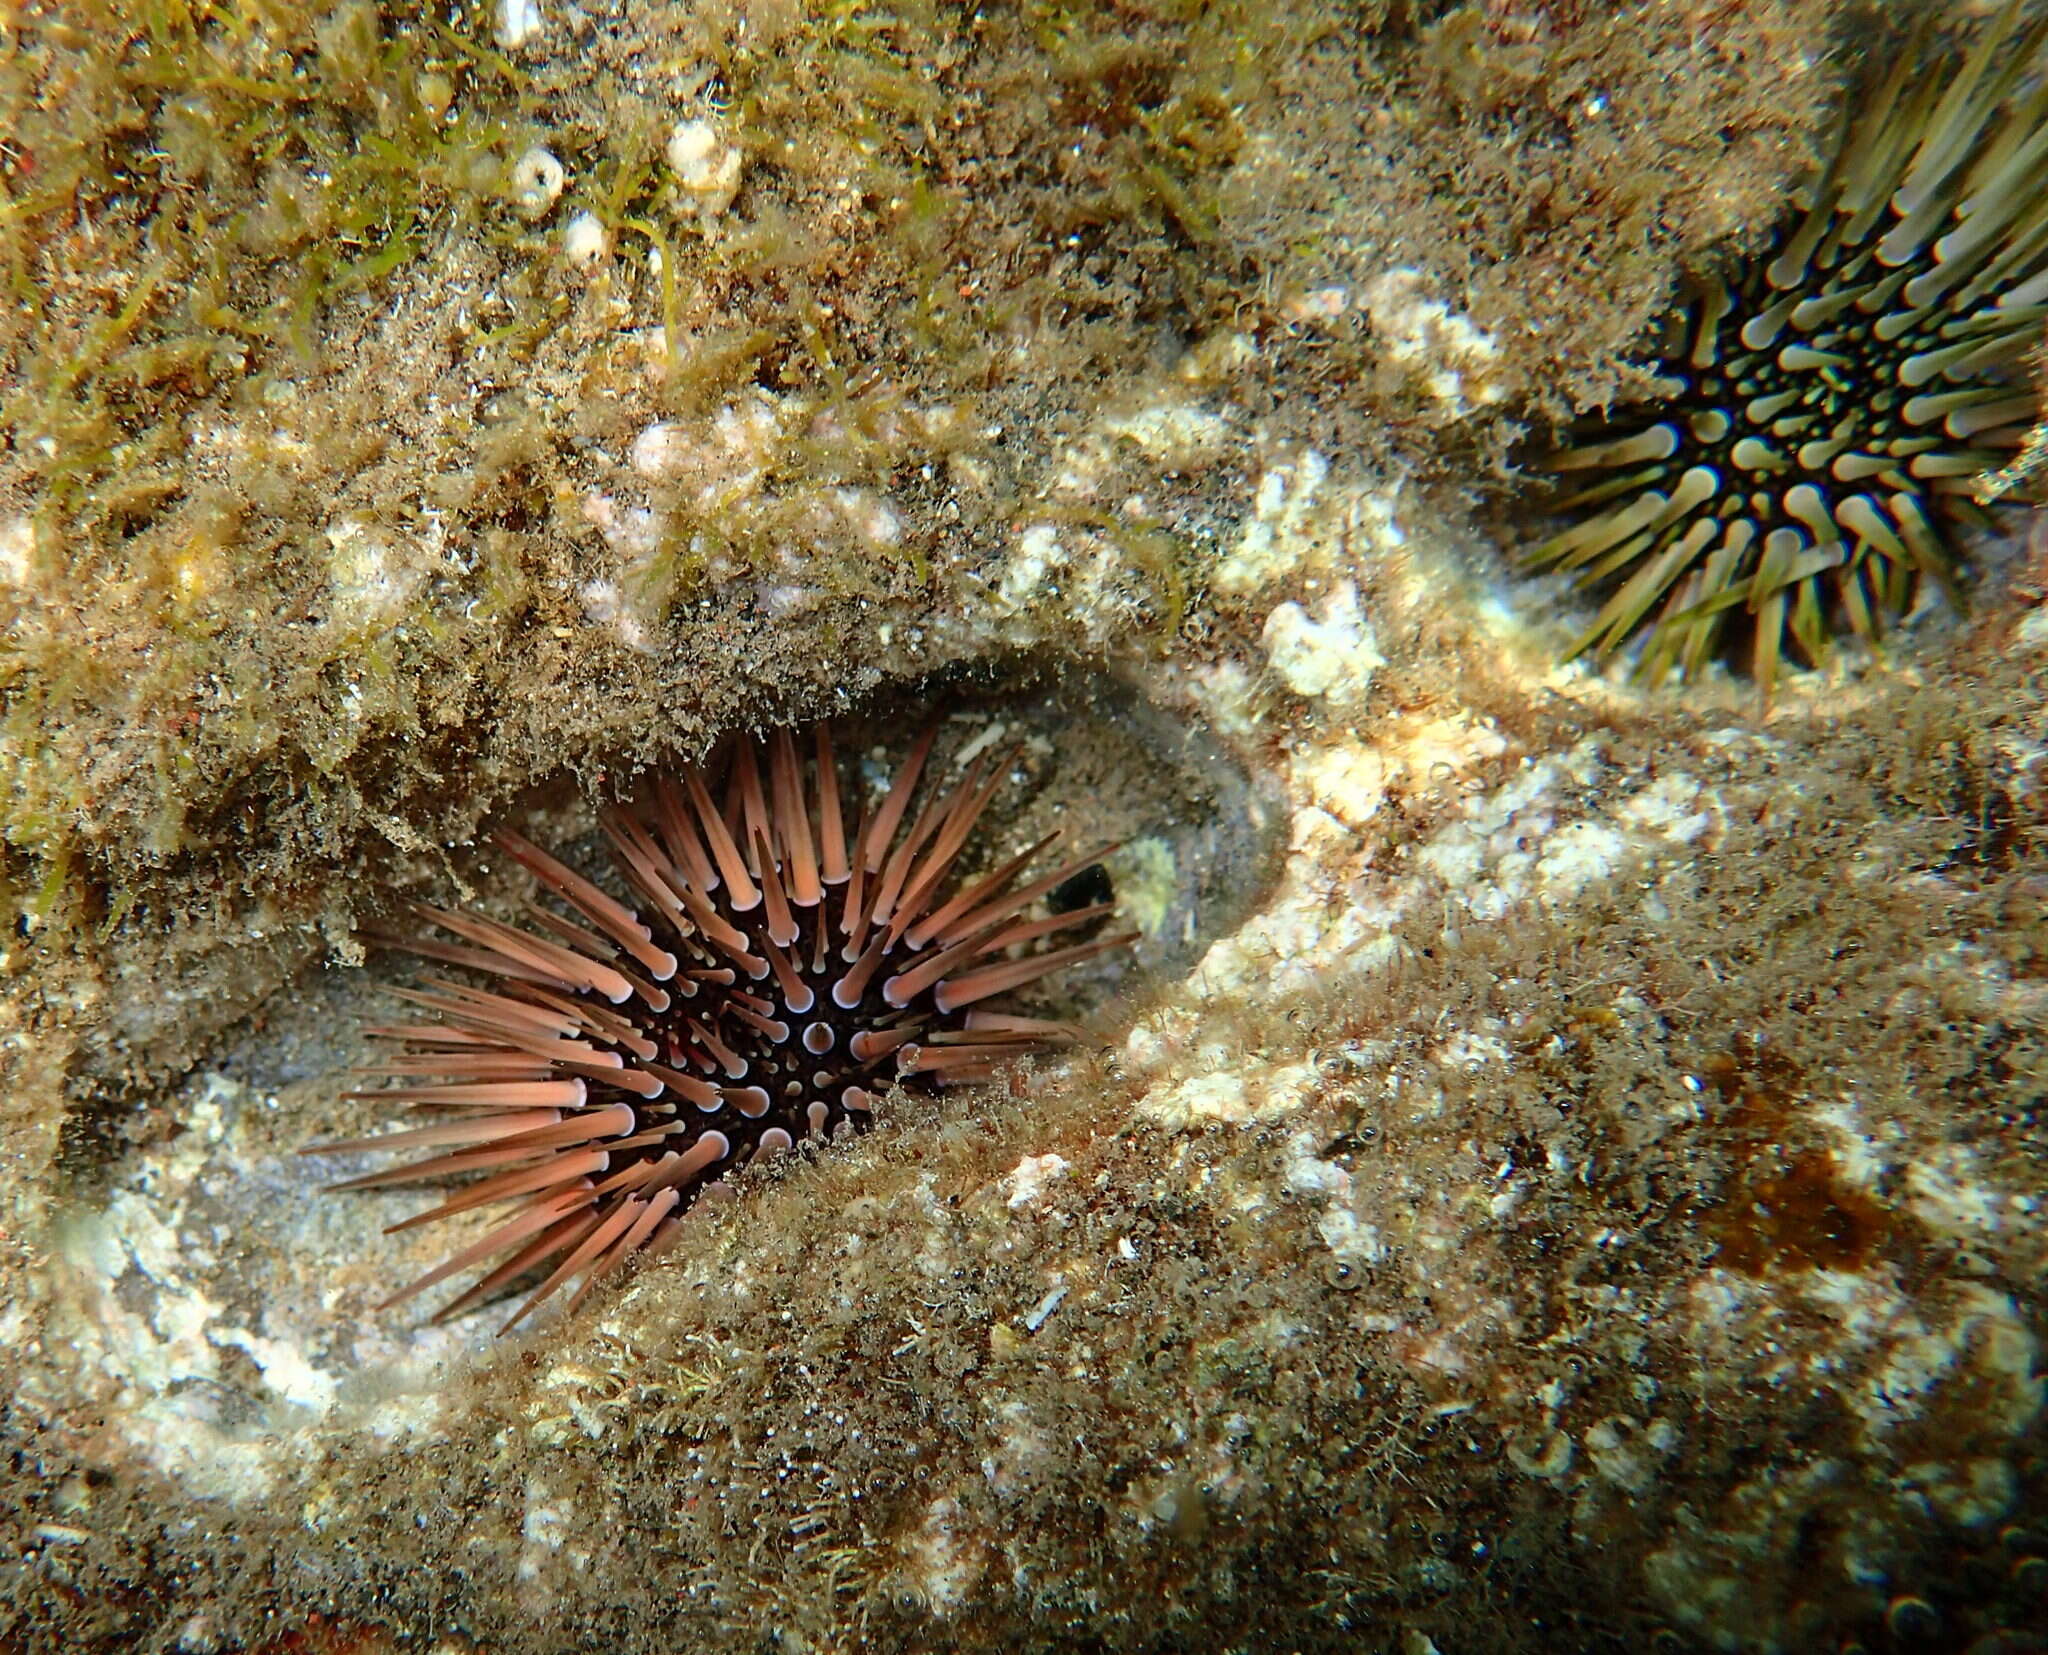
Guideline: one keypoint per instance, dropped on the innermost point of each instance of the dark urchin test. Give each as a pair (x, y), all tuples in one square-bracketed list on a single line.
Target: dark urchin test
[(1813, 450), (775, 975)]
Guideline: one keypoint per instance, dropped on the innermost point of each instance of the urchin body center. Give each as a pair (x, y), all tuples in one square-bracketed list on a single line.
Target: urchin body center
[(1825, 400), (800, 1061)]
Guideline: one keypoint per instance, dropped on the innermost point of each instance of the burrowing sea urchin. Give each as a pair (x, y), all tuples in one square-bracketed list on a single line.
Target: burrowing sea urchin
[(1814, 441), (616, 1067)]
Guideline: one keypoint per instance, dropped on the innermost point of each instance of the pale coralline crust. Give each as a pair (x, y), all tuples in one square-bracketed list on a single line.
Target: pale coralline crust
[(1496, 1227)]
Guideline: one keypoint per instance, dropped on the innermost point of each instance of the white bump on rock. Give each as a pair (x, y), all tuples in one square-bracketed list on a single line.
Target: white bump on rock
[(692, 148), (585, 240), (1329, 658), (537, 180), (705, 164), (1449, 357), (1286, 530), (517, 22), (1029, 1178), (661, 451), (1037, 554), (17, 549)]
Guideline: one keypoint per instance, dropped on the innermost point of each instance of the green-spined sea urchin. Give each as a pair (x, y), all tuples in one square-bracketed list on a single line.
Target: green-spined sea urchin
[(616, 1067), (1816, 438)]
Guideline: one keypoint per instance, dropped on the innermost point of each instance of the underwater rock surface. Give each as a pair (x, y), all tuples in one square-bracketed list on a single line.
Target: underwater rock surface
[(1566, 1170)]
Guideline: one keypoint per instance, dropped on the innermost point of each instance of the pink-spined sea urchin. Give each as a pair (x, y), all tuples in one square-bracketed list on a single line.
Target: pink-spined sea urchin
[(774, 976), (1813, 445)]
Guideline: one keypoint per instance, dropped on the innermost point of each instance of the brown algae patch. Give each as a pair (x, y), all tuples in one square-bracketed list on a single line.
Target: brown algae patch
[(1372, 1283)]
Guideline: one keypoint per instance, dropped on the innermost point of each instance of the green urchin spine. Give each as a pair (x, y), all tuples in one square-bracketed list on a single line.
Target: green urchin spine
[(1813, 449)]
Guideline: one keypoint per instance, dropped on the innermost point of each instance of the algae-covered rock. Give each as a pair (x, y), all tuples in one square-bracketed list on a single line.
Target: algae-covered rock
[(1561, 1170)]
